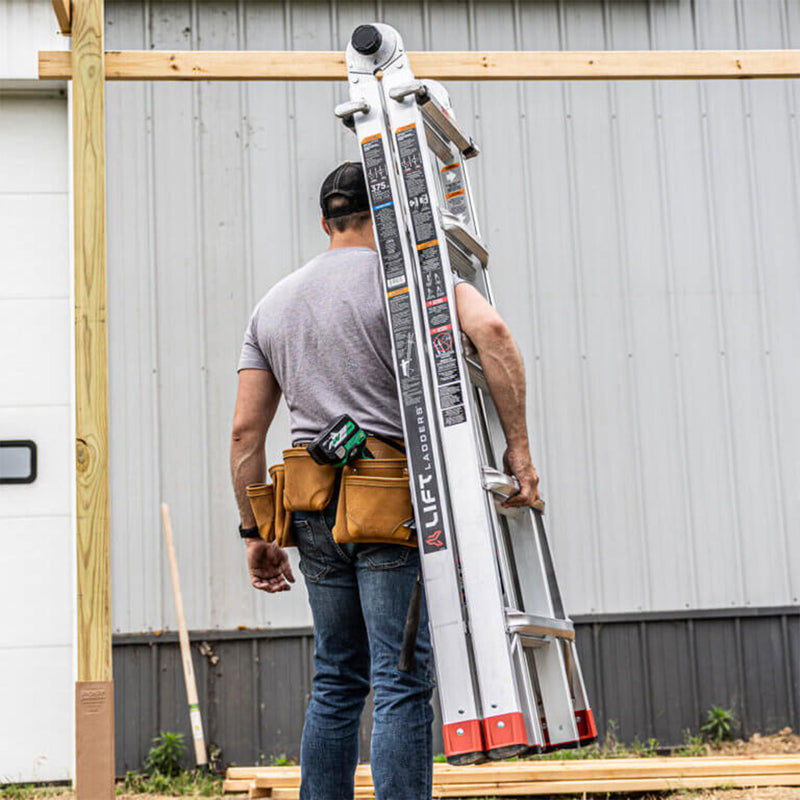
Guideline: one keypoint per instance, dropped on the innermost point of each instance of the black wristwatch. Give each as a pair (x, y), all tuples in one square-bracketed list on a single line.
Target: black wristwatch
[(249, 533)]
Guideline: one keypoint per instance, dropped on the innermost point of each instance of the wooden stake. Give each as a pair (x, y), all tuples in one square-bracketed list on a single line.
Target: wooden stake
[(183, 636), (239, 65), (94, 712), (63, 11)]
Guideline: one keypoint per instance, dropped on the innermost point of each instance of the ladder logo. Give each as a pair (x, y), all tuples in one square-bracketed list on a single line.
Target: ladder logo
[(435, 539)]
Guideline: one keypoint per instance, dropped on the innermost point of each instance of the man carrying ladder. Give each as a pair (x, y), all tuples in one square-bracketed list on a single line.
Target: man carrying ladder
[(363, 339)]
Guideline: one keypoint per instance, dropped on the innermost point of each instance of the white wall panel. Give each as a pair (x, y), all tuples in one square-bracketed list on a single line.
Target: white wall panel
[(36, 693), (34, 148), (26, 26), (35, 237), (34, 361), (35, 552), (644, 246), (36, 541)]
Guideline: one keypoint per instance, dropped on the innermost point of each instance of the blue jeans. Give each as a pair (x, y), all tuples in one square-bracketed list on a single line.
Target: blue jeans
[(359, 596)]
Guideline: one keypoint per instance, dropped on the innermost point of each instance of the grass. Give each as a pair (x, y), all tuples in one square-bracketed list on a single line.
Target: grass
[(189, 783)]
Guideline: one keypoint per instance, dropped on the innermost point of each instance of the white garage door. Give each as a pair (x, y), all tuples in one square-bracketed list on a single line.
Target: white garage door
[(36, 546)]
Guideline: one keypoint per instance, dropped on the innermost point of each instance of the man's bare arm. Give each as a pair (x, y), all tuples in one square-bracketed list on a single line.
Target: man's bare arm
[(256, 403), (505, 375)]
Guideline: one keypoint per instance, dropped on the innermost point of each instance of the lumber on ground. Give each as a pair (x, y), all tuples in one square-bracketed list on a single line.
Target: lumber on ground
[(699, 765), (237, 65), (527, 789), (94, 688), (520, 778)]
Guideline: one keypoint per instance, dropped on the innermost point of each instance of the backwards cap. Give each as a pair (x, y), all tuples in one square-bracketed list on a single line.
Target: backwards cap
[(346, 181)]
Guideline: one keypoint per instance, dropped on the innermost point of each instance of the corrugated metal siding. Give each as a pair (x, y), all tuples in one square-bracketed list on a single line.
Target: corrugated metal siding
[(648, 676), (644, 245)]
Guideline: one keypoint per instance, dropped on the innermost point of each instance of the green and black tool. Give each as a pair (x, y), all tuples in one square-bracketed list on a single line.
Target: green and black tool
[(343, 441)]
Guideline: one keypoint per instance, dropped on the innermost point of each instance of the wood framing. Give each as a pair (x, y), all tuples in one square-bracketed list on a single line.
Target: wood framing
[(236, 65), (94, 711), (63, 10)]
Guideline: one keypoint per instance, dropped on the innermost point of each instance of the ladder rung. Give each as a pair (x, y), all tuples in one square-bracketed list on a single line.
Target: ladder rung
[(502, 486), (438, 144), (530, 626), (463, 263), (437, 116), (459, 238), (476, 372)]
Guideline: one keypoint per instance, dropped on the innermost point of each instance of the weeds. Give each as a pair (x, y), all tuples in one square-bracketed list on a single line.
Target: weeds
[(692, 745), (719, 724), (165, 754), (192, 783), (164, 774), (283, 761)]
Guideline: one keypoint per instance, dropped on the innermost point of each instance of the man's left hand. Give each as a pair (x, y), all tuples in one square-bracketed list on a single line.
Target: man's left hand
[(269, 566)]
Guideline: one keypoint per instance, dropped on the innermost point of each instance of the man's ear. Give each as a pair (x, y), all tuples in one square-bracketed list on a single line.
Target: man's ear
[(325, 225)]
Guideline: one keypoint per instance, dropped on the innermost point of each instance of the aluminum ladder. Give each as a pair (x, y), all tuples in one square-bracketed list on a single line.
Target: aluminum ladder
[(507, 668)]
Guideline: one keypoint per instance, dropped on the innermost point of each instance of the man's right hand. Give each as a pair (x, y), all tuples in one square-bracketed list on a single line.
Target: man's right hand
[(269, 566), (517, 462)]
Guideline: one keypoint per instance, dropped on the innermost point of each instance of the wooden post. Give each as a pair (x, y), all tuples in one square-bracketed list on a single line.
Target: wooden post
[(94, 690)]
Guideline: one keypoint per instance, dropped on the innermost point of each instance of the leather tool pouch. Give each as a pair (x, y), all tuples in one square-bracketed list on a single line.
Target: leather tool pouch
[(375, 503), (262, 501), (266, 499), (309, 486), (283, 517)]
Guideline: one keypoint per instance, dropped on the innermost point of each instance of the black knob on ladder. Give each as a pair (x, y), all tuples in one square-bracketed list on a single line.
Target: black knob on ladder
[(366, 39)]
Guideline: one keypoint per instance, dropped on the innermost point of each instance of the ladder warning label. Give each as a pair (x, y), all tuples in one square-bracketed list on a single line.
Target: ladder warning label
[(455, 192), (425, 486), (437, 306)]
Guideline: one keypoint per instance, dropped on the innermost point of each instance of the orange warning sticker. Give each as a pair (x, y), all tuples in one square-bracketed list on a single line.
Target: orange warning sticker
[(397, 292), (455, 194), (371, 138), (450, 166), (426, 245), (406, 127)]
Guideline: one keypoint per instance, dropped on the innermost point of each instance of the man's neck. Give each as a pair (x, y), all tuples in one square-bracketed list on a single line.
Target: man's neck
[(352, 239)]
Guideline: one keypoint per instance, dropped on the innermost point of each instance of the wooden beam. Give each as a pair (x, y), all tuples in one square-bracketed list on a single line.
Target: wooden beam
[(94, 711), (239, 65), (63, 9)]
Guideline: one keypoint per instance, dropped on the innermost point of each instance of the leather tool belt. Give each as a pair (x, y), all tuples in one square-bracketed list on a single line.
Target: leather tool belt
[(374, 502)]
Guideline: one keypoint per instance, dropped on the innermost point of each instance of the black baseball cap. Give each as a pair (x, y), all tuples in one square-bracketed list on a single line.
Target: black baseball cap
[(347, 181)]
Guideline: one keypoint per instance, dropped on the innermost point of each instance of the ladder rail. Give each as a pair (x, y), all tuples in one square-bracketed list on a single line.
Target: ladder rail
[(432, 515)]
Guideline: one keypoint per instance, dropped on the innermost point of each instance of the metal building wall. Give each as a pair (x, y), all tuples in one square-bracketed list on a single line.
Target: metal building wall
[(648, 677), (645, 251)]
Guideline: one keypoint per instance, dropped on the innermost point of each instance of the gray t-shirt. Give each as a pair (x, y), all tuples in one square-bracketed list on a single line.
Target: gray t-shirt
[(324, 333)]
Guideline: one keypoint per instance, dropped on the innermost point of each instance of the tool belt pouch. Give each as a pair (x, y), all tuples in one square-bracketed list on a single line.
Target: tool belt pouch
[(309, 486), (262, 501), (283, 516), (375, 503)]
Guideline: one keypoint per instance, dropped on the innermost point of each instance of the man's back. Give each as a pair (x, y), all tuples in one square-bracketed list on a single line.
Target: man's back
[(323, 333)]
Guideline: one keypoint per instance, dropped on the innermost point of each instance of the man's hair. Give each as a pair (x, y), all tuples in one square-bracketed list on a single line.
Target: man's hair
[(348, 222)]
